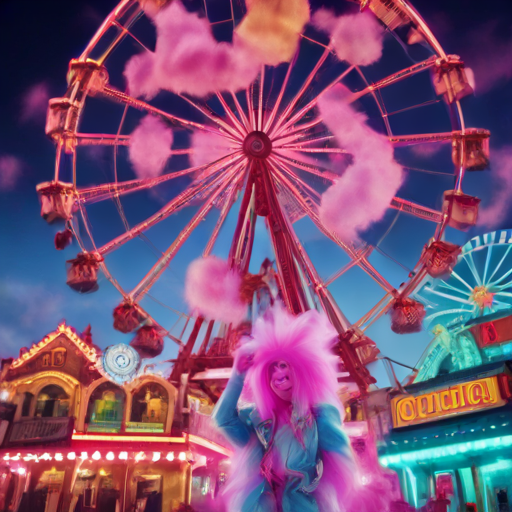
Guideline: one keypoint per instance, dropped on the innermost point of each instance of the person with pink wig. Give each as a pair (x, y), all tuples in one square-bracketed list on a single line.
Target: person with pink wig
[(292, 454)]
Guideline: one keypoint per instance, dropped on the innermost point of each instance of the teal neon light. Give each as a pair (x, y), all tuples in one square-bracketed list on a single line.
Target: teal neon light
[(469, 448)]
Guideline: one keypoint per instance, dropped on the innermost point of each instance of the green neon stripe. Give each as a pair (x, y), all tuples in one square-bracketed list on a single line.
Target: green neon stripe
[(450, 450)]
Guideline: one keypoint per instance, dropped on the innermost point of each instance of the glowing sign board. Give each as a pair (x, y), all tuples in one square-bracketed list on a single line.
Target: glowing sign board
[(462, 398)]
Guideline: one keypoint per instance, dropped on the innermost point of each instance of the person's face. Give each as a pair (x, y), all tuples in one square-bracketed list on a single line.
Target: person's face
[(281, 380)]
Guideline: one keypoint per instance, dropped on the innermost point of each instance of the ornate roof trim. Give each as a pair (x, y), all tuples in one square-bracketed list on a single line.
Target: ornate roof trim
[(89, 352)]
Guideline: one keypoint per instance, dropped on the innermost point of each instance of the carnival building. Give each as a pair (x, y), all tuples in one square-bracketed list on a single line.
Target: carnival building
[(448, 434), (85, 430)]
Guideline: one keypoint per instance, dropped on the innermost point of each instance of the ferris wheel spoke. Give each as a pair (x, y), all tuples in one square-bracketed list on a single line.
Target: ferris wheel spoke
[(504, 294), (275, 108), (395, 77), (311, 192), (420, 138), (501, 287), (412, 107), (226, 207), (173, 206), (498, 281), (448, 296), (260, 102), (433, 316), (292, 136), (241, 113), (231, 115), (101, 139), (326, 174), (468, 258), (313, 214), (422, 212), (467, 285), (125, 99), (250, 107), (503, 258), (487, 261), (90, 195), (311, 104), (307, 142), (238, 136), (287, 111), (107, 139), (448, 286), (299, 149), (147, 282)]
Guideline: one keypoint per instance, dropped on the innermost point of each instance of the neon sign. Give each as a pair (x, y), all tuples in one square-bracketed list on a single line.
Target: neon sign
[(461, 398)]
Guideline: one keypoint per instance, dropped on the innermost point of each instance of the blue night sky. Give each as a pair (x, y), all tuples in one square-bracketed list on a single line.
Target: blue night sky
[(38, 41)]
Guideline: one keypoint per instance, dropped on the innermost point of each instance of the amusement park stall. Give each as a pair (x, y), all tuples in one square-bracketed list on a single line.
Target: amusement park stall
[(85, 431), (448, 434)]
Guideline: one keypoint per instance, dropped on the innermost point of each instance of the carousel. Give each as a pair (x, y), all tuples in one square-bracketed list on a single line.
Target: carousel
[(214, 159)]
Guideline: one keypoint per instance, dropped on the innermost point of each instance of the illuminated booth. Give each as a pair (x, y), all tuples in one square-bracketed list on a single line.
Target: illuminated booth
[(86, 431), (448, 434)]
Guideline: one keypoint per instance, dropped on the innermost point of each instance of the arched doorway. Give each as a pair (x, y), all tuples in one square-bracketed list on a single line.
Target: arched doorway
[(105, 409), (52, 401), (150, 404)]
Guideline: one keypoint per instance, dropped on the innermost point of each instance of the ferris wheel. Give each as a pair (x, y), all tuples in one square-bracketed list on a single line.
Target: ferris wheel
[(188, 123), (479, 285)]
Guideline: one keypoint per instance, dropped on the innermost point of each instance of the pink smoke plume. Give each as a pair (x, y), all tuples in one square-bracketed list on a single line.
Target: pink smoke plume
[(208, 147), (305, 342), (488, 54), (363, 193), (188, 59), (212, 290), (501, 172), (150, 147), (356, 38), (11, 169), (34, 103), (272, 28)]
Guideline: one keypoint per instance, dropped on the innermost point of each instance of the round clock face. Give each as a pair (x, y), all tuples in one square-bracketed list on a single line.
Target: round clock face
[(121, 362)]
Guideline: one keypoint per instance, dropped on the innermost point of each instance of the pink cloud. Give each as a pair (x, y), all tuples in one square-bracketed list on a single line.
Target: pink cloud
[(150, 147), (488, 54), (208, 147), (363, 193), (34, 103), (11, 169), (188, 59), (356, 38), (501, 171)]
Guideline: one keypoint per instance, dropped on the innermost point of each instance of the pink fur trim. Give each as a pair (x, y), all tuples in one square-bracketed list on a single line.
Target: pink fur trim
[(212, 289)]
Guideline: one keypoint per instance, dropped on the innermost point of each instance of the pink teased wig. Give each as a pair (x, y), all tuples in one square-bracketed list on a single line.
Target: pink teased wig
[(305, 343)]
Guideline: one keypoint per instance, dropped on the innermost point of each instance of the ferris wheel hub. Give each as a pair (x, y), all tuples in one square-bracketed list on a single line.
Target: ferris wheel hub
[(257, 145)]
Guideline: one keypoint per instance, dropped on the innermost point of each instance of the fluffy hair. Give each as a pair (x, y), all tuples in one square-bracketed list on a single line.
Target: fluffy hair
[(212, 289), (304, 342)]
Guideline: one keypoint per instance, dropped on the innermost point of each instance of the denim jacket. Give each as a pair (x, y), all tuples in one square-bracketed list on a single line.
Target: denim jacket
[(303, 463)]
